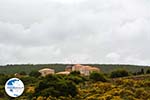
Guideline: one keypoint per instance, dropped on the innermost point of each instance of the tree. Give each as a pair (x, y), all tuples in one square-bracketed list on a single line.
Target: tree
[(75, 73), (95, 76), (148, 71), (75, 79), (140, 72), (119, 73), (22, 73), (34, 74), (3, 79), (56, 87)]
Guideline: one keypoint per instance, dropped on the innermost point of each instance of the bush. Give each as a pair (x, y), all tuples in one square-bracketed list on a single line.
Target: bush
[(119, 73), (34, 74), (75, 73), (140, 72), (22, 73), (148, 71), (95, 76), (54, 86), (29, 80), (75, 79), (3, 79)]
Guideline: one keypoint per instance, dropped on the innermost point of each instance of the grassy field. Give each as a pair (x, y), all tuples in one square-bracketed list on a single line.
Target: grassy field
[(106, 68)]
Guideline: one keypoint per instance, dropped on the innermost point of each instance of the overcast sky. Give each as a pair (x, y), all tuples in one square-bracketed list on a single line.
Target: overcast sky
[(75, 31)]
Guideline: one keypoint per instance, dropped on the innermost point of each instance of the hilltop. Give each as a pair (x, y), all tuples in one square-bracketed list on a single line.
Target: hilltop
[(106, 68)]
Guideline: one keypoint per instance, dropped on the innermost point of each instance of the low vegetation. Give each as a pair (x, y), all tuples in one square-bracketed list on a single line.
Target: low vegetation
[(119, 73), (119, 84), (27, 68)]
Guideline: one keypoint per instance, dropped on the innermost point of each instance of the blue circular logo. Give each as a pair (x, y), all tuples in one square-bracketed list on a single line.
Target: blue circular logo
[(14, 87)]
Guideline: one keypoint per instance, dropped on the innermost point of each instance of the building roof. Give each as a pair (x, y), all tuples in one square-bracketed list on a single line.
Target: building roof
[(64, 72), (69, 66), (78, 65), (46, 69)]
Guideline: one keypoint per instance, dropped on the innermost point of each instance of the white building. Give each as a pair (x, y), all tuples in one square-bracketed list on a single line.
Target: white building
[(46, 71), (84, 70)]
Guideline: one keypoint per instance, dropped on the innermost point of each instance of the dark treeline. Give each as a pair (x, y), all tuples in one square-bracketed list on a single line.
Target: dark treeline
[(106, 68)]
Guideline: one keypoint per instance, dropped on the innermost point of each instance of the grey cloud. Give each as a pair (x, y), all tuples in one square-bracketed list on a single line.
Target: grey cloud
[(85, 31)]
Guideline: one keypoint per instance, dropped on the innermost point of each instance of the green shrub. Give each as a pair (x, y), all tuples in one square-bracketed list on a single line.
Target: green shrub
[(3, 79), (140, 72), (148, 71), (95, 76), (75, 73), (34, 74), (75, 79), (119, 73), (29, 80), (53, 85), (23, 73)]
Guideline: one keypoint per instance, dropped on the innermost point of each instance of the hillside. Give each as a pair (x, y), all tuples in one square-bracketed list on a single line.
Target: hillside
[(78, 87), (106, 68)]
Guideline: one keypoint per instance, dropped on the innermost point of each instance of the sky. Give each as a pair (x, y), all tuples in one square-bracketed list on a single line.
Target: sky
[(75, 31)]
